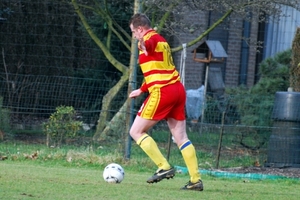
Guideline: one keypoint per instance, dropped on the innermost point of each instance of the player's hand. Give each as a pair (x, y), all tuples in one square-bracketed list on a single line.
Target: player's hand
[(135, 93), (143, 47)]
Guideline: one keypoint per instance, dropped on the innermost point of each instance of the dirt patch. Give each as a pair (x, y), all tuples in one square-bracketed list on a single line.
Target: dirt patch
[(286, 172)]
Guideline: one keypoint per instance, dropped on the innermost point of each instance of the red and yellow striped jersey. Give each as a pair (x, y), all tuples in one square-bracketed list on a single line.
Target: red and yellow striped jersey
[(158, 66)]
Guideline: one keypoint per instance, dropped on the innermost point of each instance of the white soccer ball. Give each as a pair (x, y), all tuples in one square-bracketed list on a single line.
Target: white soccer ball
[(113, 173)]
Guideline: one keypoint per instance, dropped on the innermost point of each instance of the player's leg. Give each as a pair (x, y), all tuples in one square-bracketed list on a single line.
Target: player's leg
[(186, 147), (188, 152), (138, 132), (177, 125)]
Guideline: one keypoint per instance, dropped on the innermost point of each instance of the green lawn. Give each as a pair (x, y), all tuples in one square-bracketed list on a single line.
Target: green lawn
[(30, 180)]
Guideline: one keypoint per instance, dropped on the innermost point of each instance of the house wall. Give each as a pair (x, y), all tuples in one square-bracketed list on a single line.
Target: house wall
[(195, 71), (232, 72), (252, 73)]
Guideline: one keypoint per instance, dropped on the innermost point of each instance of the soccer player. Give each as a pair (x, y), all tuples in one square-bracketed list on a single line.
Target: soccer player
[(166, 101)]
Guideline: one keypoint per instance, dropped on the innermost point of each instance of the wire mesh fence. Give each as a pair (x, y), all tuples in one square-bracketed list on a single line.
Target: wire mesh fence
[(48, 60), (220, 135)]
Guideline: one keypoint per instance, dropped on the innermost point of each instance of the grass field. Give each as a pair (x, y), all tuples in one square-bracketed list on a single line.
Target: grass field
[(34, 171), (29, 180)]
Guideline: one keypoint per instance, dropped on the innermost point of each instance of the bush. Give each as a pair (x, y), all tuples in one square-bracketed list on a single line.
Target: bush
[(255, 104), (61, 125), (4, 120)]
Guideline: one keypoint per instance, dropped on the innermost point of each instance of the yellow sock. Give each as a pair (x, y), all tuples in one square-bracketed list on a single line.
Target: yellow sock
[(189, 155), (150, 147)]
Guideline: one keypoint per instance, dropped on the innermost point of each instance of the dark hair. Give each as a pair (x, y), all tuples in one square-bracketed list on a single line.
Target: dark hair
[(140, 19)]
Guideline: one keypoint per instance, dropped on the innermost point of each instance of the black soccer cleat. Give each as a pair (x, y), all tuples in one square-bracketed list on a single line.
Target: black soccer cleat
[(198, 186), (160, 174)]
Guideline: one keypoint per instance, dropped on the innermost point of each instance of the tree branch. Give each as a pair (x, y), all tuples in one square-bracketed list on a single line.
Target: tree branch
[(205, 33), (122, 68)]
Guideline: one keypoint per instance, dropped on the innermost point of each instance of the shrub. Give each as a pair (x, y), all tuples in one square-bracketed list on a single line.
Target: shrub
[(4, 119), (61, 125), (254, 105)]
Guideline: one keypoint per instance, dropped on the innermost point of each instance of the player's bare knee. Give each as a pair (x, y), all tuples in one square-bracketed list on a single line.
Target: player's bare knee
[(133, 134)]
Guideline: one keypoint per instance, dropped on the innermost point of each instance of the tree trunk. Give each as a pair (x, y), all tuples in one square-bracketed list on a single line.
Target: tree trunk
[(106, 104), (114, 129)]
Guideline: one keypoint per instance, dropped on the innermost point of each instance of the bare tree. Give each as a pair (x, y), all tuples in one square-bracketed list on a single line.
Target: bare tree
[(167, 16)]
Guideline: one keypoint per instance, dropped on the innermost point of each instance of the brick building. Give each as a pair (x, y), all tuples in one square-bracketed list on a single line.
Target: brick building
[(246, 44)]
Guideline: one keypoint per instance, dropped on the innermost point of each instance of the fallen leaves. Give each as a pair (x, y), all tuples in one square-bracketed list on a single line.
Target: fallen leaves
[(33, 156), (3, 157)]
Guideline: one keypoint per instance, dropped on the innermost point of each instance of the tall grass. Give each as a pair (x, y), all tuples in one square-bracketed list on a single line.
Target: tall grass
[(102, 154)]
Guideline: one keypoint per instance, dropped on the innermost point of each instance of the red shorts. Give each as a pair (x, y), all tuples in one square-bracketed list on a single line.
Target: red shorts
[(165, 102)]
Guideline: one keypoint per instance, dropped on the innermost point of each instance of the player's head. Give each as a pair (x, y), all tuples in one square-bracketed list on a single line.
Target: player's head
[(140, 19), (139, 23)]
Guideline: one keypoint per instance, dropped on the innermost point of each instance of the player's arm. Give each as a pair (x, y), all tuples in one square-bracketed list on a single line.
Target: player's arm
[(135, 93), (142, 46), (139, 91), (147, 46)]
